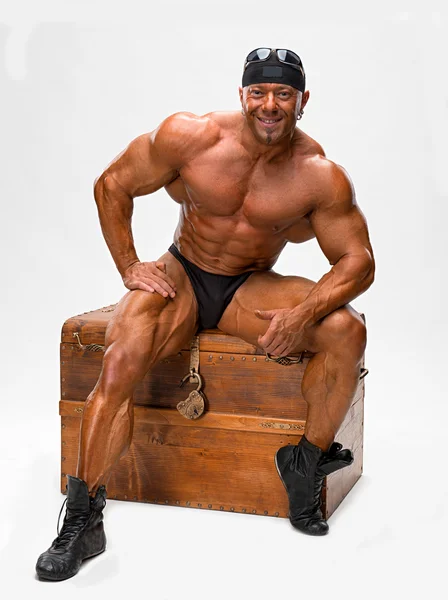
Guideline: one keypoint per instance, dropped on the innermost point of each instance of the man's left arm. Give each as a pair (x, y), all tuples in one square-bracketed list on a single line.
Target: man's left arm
[(342, 234)]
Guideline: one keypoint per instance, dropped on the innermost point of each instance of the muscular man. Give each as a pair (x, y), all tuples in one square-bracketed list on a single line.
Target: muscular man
[(247, 182)]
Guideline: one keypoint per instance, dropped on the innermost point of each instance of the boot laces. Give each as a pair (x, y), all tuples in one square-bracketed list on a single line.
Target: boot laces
[(74, 522), (70, 527)]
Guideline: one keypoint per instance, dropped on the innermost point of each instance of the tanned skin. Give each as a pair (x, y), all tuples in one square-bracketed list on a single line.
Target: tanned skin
[(245, 188)]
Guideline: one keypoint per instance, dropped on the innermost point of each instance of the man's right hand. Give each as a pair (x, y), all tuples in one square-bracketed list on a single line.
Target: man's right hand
[(150, 277)]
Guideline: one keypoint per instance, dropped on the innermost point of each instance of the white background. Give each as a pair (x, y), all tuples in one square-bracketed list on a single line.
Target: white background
[(78, 82)]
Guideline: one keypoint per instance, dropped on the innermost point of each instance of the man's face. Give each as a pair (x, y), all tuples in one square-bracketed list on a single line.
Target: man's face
[(271, 110)]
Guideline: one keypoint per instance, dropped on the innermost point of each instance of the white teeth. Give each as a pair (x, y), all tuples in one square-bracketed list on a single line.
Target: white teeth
[(269, 121)]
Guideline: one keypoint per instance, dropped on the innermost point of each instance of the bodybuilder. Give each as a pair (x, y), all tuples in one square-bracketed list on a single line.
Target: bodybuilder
[(247, 182)]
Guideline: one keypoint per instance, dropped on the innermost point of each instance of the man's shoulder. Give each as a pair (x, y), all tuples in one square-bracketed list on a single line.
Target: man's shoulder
[(186, 132), (318, 164), (225, 119), (333, 182), (330, 180)]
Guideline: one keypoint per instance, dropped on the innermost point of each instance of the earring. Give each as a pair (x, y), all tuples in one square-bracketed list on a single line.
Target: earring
[(242, 112), (300, 115)]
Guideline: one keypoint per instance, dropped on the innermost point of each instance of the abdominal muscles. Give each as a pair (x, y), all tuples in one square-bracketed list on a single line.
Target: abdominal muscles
[(227, 245), (231, 233)]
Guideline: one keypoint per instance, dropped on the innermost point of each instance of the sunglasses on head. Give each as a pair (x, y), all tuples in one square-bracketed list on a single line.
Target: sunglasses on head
[(285, 56)]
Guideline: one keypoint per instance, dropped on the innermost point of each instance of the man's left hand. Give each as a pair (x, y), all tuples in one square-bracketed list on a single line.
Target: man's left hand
[(285, 332)]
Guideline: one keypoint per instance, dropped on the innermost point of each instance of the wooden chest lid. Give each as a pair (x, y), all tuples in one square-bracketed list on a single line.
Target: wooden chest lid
[(91, 327)]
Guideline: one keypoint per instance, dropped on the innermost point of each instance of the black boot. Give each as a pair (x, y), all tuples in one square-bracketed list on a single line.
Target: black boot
[(302, 469), (82, 534)]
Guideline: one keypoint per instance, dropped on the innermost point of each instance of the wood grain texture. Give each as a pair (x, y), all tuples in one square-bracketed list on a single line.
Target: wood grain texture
[(225, 459), (219, 462), (200, 466), (233, 383)]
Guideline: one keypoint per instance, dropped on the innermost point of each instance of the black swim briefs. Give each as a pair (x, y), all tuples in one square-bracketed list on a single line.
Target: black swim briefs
[(213, 291)]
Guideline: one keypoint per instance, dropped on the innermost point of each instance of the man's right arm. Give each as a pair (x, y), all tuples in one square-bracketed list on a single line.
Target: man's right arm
[(150, 162)]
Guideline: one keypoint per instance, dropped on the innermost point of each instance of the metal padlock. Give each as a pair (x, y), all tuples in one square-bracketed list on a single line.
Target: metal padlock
[(194, 405)]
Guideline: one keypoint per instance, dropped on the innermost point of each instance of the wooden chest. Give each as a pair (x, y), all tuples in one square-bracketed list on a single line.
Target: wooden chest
[(223, 460)]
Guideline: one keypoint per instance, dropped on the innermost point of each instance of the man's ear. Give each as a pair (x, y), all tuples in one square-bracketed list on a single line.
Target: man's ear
[(305, 99), (240, 91)]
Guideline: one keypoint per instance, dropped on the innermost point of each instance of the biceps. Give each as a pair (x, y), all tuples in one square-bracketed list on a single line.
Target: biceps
[(341, 231)]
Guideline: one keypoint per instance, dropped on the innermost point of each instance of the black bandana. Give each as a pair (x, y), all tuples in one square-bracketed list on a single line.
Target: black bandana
[(273, 71)]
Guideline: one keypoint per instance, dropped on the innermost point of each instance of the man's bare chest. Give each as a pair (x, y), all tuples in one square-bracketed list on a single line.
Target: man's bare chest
[(268, 195)]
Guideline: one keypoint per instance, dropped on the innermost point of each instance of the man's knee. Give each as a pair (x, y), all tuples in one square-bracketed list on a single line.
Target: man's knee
[(345, 326), (122, 369)]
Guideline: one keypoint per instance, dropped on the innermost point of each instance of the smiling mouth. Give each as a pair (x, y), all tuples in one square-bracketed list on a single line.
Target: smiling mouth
[(269, 121)]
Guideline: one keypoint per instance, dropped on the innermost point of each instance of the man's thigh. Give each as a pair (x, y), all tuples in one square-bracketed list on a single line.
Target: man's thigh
[(267, 290), (147, 326)]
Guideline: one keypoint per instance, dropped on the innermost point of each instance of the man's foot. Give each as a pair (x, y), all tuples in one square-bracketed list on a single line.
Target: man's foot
[(82, 534), (302, 469)]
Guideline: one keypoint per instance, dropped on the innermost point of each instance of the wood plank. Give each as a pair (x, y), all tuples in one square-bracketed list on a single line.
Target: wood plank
[(341, 482), (196, 459), (214, 420), (205, 466), (233, 383)]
